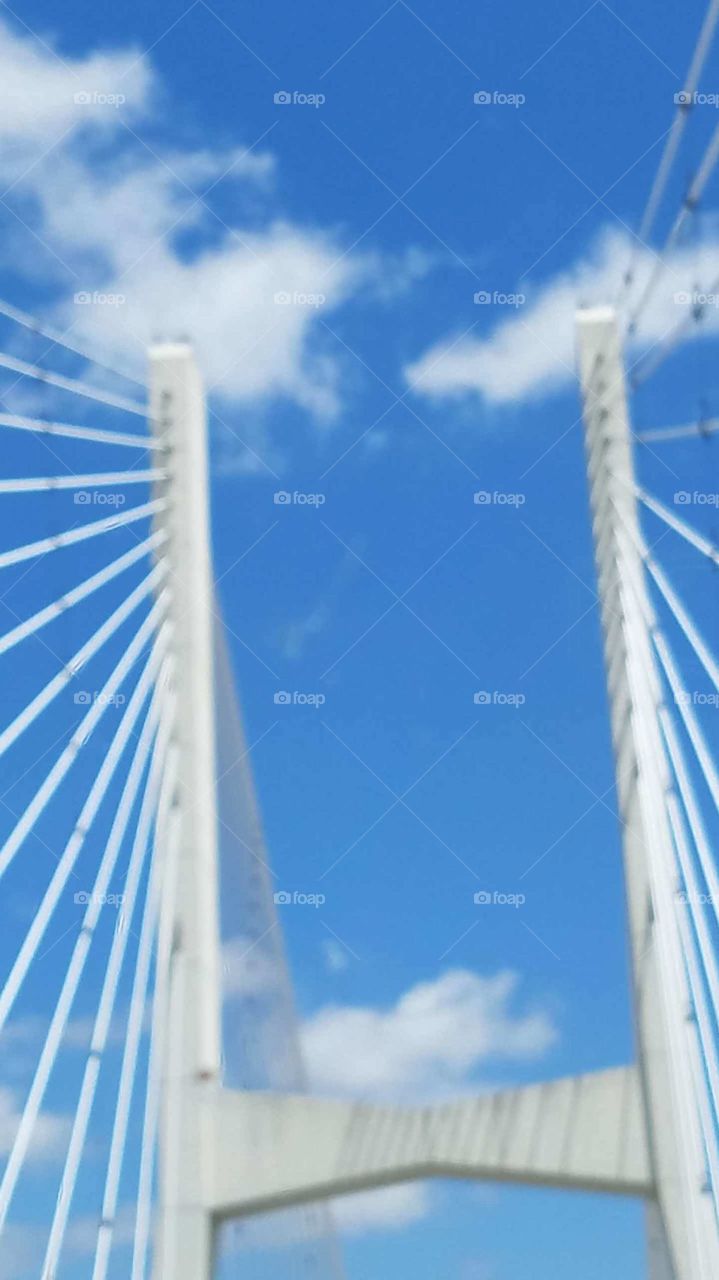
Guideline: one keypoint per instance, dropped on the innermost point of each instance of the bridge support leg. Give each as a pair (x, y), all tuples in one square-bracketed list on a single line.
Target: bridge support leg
[(271, 1151), (193, 1039)]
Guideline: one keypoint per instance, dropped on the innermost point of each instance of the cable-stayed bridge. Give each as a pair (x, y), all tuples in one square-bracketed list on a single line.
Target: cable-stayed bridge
[(127, 803), (126, 787)]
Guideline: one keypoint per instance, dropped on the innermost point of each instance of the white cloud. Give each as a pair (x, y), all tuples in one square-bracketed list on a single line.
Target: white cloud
[(99, 212), (198, 167), (50, 1134), (21, 1254), (22, 1038), (43, 93), (296, 635), (389, 1209), (24, 1243), (336, 956), (366, 1212), (107, 215), (394, 275), (114, 219), (250, 968), (81, 1237), (530, 351), (430, 1043), (229, 301)]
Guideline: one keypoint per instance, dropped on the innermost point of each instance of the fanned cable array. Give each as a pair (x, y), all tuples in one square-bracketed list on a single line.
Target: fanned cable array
[(86, 746), (687, 706), (90, 832)]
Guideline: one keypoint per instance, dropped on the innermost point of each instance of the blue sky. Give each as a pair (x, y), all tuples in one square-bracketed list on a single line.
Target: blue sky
[(385, 392)]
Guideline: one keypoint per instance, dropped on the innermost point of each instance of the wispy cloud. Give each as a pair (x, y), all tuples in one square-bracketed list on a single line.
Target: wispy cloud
[(43, 92), (527, 351), (50, 1134), (100, 208), (430, 1043)]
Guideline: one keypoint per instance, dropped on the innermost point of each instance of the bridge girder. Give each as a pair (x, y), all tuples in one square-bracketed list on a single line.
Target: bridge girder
[(267, 1151)]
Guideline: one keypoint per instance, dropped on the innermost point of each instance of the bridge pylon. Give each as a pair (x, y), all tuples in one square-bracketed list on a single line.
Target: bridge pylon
[(683, 1231), (192, 1034)]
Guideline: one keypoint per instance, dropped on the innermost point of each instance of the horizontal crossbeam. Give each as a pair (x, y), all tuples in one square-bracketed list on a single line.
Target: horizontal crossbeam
[(267, 1151)]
